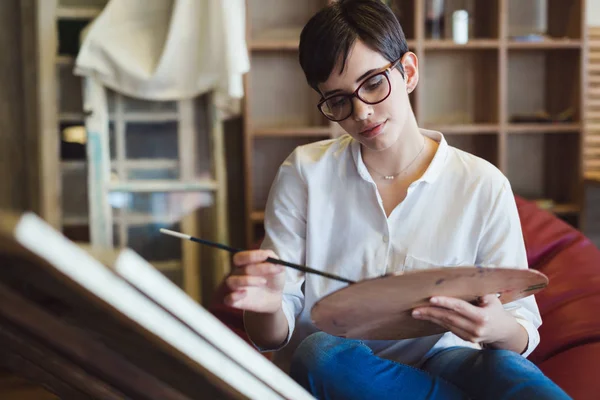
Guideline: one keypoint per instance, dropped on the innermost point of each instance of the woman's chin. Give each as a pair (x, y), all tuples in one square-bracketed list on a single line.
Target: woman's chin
[(380, 143)]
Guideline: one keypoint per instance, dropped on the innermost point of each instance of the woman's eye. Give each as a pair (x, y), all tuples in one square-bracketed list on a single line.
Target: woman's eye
[(374, 83), (337, 102)]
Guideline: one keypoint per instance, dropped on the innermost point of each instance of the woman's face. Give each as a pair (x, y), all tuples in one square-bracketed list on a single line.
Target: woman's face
[(376, 126)]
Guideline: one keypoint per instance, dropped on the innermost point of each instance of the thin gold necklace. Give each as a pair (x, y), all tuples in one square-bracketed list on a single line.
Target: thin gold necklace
[(394, 176)]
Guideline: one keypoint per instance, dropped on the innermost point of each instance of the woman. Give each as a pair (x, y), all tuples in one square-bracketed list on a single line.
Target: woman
[(385, 198)]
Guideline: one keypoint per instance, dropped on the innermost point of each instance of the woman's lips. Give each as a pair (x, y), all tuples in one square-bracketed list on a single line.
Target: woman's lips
[(373, 131)]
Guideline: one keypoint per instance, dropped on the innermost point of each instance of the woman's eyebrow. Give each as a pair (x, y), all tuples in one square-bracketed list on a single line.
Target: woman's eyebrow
[(363, 76), (360, 78)]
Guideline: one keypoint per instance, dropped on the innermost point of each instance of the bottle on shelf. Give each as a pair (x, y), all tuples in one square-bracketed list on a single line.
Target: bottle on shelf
[(434, 19), (460, 26)]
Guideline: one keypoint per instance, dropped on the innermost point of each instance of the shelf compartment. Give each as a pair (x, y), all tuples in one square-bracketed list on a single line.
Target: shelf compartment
[(459, 88), (74, 191), (279, 95), (70, 29), (277, 15), (483, 18), (152, 140), (78, 231), (69, 91), (545, 166), (481, 145), (405, 12), (268, 155), (544, 83), (554, 18)]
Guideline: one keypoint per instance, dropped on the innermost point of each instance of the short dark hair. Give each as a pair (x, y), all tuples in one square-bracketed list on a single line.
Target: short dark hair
[(331, 33)]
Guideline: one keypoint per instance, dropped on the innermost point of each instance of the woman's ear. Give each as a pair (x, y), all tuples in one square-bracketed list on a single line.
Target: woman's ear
[(410, 63)]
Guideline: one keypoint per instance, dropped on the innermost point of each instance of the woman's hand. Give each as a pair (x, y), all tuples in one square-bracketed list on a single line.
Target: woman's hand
[(486, 324), (256, 285)]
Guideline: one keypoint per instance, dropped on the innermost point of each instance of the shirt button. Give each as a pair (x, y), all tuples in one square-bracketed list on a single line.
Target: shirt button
[(385, 238)]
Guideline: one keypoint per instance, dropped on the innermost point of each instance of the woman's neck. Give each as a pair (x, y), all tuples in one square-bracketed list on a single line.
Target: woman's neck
[(404, 155)]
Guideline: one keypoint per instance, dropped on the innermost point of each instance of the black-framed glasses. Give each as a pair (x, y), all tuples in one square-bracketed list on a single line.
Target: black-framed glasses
[(373, 90)]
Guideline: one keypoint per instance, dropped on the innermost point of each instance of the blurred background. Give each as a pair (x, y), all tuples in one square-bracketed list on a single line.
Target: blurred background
[(122, 117)]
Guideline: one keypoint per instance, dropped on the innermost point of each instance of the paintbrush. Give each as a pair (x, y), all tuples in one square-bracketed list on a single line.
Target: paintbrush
[(271, 260)]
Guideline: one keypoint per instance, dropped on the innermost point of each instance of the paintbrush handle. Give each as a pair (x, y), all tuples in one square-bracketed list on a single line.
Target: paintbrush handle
[(272, 260), (308, 270)]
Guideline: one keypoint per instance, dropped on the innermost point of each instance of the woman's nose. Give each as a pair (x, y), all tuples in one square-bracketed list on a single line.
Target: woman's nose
[(361, 110)]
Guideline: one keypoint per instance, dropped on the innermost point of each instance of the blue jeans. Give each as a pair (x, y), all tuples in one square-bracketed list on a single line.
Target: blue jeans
[(335, 368)]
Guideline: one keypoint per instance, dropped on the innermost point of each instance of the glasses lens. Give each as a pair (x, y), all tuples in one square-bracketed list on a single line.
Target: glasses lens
[(337, 108), (375, 89)]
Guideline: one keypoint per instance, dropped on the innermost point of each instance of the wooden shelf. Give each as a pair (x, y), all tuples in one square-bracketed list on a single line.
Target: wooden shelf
[(163, 186), (554, 44), (71, 117), (167, 266), (544, 128), (451, 45), (257, 217), (134, 116), (276, 39), (592, 177), (75, 221), (559, 209), (65, 60), (565, 209), (77, 12), (464, 129), (293, 132), (151, 164), (287, 39)]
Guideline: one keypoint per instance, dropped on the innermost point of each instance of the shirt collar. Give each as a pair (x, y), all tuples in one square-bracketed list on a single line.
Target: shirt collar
[(431, 174)]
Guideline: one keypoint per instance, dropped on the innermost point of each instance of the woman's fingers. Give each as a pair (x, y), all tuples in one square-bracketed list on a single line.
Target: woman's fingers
[(467, 310), (235, 297), (254, 299), (449, 319), (461, 333), (236, 282), (252, 257)]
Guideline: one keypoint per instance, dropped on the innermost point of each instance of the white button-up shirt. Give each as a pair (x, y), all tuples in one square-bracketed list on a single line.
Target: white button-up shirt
[(324, 211)]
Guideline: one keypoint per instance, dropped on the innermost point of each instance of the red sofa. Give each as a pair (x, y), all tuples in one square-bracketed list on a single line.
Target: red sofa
[(569, 352)]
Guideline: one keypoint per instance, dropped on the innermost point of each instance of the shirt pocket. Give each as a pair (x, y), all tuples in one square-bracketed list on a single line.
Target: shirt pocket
[(412, 263)]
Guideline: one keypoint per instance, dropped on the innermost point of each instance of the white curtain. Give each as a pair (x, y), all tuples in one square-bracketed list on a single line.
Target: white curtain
[(169, 50)]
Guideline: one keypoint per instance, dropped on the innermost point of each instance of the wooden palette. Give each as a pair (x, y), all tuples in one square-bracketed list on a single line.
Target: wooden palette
[(380, 308)]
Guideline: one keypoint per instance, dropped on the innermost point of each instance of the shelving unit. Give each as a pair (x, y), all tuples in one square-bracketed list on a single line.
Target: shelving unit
[(473, 93), (166, 168), (592, 126)]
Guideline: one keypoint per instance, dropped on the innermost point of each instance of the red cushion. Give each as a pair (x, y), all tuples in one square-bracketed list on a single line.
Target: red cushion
[(575, 371), (572, 264)]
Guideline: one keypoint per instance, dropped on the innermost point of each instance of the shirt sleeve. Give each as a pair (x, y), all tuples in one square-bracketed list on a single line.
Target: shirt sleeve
[(285, 234), (502, 245)]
